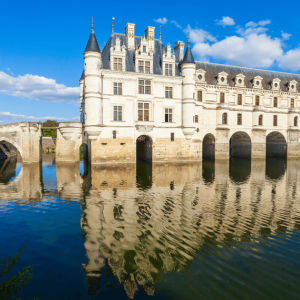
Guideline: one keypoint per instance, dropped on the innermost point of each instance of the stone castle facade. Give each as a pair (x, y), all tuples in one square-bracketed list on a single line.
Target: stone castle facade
[(140, 99)]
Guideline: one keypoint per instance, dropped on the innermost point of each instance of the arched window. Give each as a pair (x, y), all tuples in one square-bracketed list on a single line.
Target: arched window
[(296, 121), (260, 120), (224, 118)]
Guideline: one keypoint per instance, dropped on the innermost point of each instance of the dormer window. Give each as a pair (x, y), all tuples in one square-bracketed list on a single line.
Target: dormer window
[(168, 69), (144, 49), (144, 66), (239, 80), (257, 82), (200, 76), (292, 86), (222, 78), (275, 85), (117, 64)]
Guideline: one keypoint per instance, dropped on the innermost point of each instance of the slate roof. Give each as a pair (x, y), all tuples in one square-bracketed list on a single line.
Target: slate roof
[(82, 76), (188, 56), (130, 54), (92, 44), (213, 69)]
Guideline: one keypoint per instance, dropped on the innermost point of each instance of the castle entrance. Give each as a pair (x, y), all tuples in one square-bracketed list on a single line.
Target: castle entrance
[(144, 148)]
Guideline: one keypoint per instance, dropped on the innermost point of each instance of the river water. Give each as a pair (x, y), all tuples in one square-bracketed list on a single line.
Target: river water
[(210, 230)]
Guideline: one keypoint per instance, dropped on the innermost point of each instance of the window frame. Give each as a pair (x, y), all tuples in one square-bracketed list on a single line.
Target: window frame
[(275, 102), (199, 96), (240, 99), (239, 119), (292, 104), (257, 100), (168, 115), (275, 120), (118, 89), (222, 97), (172, 137), (169, 92), (144, 66), (117, 113), (196, 118), (144, 86), (224, 119), (296, 121), (260, 120), (168, 69), (118, 63), (143, 111)]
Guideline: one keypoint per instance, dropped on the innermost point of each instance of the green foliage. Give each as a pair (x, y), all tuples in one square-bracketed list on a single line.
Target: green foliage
[(50, 132), (13, 284)]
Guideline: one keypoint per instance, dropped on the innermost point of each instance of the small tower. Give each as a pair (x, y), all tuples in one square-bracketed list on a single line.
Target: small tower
[(188, 68), (81, 82), (92, 87)]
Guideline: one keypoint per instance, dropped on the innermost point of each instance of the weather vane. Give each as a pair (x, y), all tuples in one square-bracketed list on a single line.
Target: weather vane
[(112, 24), (92, 25), (160, 32)]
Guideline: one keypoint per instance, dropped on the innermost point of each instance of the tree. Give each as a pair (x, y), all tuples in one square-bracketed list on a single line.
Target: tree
[(14, 283), (50, 132)]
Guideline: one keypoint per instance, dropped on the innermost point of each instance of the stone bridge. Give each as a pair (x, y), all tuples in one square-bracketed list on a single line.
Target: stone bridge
[(26, 137)]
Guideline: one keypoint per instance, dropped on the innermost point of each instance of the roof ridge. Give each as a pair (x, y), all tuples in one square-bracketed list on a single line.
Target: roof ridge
[(245, 68)]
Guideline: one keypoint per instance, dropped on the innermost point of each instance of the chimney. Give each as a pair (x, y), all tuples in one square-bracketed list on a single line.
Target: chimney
[(129, 32), (179, 51), (149, 34)]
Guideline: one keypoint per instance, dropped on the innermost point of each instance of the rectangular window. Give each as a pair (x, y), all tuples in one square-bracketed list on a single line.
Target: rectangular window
[(199, 96), (117, 113), (239, 99), (168, 69), (168, 92), (222, 97), (292, 103), (196, 118), (114, 134), (172, 136), (144, 87), (144, 66), (117, 64), (274, 120), (257, 100), (275, 101), (144, 49), (239, 119), (143, 111), (168, 114), (117, 88)]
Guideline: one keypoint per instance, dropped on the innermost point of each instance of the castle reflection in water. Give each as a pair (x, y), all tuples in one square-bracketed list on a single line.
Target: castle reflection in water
[(142, 221)]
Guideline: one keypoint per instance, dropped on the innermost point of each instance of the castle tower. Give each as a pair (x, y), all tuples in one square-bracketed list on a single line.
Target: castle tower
[(188, 68), (92, 88)]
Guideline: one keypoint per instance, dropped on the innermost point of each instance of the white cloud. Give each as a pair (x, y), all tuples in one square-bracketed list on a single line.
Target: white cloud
[(162, 21), (260, 23), (198, 35), (10, 116), (176, 24), (37, 88), (285, 36), (290, 60), (226, 21)]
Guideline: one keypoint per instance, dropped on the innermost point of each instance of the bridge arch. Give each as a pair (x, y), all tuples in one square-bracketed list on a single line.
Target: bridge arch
[(144, 148), (276, 144), (208, 146), (240, 144), (8, 140)]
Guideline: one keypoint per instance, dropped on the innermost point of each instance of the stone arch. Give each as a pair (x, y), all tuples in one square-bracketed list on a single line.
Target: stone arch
[(16, 146), (240, 144), (208, 146), (83, 151), (144, 148), (276, 144)]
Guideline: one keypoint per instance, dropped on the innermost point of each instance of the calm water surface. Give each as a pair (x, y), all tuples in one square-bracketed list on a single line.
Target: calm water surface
[(210, 230)]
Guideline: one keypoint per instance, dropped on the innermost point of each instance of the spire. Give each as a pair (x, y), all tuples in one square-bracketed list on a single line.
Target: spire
[(188, 56), (160, 32), (112, 25), (92, 44)]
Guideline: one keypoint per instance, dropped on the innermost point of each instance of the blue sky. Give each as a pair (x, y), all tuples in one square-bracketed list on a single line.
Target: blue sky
[(42, 44)]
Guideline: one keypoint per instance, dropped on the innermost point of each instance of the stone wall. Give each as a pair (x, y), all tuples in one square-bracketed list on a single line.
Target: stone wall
[(48, 143)]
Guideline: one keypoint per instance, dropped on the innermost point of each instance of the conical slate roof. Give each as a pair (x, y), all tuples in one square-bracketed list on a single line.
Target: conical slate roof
[(92, 44), (188, 56)]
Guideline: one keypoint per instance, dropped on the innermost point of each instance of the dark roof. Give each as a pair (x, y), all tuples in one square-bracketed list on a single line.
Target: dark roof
[(188, 56), (212, 71), (159, 50), (82, 75), (92, 44)]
